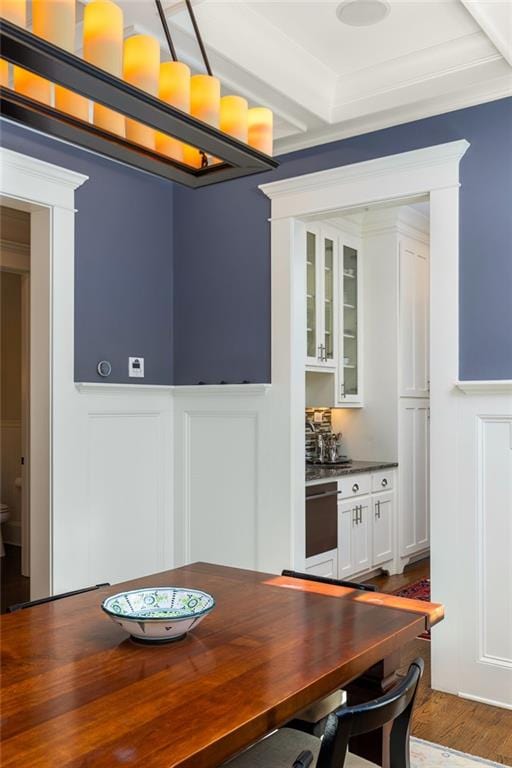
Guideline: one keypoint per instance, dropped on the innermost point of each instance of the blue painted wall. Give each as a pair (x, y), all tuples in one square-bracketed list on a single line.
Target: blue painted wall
[(222, 261), (123, 262)]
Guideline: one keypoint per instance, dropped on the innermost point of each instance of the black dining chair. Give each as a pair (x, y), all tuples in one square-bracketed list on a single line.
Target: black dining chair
[(328, 580), (288, 748), (51, 598)]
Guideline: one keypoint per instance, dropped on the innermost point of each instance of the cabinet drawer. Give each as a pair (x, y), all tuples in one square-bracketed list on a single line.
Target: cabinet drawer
[(382, 481), (325, 564), (354, 485)]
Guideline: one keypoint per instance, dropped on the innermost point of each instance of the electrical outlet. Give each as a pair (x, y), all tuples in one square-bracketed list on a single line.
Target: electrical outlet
[(136, 367)]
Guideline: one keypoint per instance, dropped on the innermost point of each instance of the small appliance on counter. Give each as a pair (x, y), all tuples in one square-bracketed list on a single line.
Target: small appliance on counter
[(325, 447)]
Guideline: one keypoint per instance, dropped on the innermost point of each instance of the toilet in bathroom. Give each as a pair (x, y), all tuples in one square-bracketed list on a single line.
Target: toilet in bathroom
[(4, 516)]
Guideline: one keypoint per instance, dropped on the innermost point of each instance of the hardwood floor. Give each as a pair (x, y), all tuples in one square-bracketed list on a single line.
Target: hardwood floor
[(15, 588), (445, 719)]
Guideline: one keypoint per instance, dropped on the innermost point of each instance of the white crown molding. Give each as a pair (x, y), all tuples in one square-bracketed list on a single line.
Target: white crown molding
[(41, 169), (496, 22), (494, 90), (36, 179), (391, 79), (427, 157), (404, 220), (492, 387)]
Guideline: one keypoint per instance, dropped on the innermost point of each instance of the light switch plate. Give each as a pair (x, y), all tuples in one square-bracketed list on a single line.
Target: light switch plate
[(136, 367)]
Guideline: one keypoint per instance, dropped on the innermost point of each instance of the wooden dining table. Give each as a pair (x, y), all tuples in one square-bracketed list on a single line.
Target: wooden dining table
[(77, 692)]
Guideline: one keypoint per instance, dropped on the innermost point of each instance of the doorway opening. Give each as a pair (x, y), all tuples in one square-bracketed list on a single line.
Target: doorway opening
[(15, 405), (367, 381)]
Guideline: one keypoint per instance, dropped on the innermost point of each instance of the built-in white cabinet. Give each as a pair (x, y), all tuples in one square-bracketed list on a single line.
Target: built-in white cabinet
[(414, 439), (383, 516), (414, 318), (349, 371), (366, 528), (366, 523), (322, 264), (333, 315)]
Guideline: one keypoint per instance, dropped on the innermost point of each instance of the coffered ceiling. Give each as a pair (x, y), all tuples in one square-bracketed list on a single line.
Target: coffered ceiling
[(325, 79)]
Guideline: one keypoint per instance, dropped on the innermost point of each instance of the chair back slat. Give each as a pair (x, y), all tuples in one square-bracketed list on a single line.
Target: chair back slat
[(51, 598), (328, 580), (395, 706)]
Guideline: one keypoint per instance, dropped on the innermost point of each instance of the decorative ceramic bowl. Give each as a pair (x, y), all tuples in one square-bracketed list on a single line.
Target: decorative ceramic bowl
[(158, 614)]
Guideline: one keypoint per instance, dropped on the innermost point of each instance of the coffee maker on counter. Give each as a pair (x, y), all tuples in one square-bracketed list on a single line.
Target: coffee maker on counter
[(325, 447)]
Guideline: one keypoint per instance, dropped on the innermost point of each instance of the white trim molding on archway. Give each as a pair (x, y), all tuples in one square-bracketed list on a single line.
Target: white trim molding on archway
[(458, 661), (47, 192)]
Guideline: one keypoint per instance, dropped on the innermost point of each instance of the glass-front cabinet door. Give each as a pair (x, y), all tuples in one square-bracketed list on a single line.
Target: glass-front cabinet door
[(321, 298), (311, 296), (349, 368), (328, 299)]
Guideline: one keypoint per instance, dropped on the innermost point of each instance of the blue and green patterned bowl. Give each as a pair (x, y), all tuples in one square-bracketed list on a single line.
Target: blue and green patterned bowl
[(158, 614)]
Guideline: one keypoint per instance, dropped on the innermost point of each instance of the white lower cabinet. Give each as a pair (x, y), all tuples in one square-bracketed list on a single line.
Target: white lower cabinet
[(354, 540), (366, 524), (366, 528), (383, 514)]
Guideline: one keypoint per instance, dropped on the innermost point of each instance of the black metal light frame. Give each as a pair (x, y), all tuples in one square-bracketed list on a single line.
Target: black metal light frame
[(31, 52)]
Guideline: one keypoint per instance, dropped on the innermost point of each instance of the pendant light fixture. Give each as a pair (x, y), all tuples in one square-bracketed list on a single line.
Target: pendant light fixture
[(120, 100)]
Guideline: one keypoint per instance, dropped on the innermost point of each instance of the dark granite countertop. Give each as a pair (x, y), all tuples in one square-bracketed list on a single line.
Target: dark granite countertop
[(315, 472)]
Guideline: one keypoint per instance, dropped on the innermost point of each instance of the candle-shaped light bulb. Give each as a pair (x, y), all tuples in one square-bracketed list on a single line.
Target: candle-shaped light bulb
[(141, 67), (205, 105), (14, 11), (173, 89), (54, 20), (25, 82), (260, 129), (233, 117), (103, 46)]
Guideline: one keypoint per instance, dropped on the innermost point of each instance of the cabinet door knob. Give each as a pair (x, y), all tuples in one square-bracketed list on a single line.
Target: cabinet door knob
[(355, 487), (384, 483)]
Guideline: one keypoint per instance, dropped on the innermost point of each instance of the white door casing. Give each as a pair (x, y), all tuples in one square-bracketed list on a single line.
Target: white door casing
[(47, 192), (433, 171)]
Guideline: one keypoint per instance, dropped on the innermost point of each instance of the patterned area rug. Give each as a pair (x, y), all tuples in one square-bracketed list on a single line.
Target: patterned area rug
[(419, 590), (424, 754)]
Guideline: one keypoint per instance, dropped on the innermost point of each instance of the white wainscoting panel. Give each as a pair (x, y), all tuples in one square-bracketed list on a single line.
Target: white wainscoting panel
[(226, 474), (113, 516), (483, 564), (126, 526), (221, 466)]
